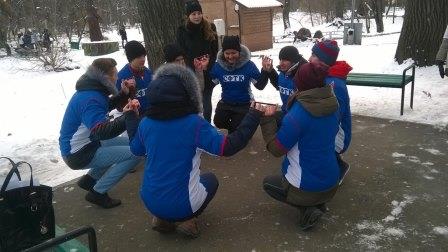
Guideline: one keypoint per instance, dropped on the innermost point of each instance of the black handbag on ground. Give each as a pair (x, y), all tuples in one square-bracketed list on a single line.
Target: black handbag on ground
[(26, 213)]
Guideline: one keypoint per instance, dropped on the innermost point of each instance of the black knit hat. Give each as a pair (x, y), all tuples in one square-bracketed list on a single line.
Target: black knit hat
[(192, 6), (172, 51), (134, 49), (231, 42), (289, 53)]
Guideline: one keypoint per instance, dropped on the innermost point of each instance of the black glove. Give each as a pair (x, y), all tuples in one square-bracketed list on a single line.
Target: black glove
[(441, 68)]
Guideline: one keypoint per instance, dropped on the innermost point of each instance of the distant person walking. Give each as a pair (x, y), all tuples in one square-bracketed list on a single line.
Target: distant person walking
[(123, 34)]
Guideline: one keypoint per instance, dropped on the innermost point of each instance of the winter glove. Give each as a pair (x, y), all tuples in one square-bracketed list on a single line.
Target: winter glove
[(441, 68)]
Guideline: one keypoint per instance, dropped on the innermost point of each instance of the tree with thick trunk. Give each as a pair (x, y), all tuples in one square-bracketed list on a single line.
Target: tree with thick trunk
[(378, 9), (286, 10), (93, 19), (5, 14), (160, 20), (339, 7), (423, 27)]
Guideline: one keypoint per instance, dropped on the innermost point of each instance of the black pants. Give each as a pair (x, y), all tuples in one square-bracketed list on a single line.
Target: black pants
[(229, 116), (207, 97), (279, 188)]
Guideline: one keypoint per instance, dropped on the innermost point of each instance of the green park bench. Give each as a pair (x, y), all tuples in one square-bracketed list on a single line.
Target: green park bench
[(385, 80), (66, 242)]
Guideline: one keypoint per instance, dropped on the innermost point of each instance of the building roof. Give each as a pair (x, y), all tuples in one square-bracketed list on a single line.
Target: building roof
[(259, 3)]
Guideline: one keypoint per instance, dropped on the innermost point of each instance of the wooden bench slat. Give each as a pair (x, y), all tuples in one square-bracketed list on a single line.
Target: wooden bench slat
[(377, 80)]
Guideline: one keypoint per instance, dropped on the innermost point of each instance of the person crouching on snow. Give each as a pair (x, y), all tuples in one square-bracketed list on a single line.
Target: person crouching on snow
[(325, 54), (173, 136), (235, 72), (89, 140), (310, 172)]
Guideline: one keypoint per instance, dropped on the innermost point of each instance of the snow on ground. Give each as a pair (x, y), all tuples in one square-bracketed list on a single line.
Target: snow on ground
[(33, 102)]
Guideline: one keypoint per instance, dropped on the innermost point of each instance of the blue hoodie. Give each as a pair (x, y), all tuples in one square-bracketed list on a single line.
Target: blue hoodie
[(141, 84)]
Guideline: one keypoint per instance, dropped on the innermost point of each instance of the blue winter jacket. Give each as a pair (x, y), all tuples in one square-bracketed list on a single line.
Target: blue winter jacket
[(337, 79), (235, 79), (141, 84)]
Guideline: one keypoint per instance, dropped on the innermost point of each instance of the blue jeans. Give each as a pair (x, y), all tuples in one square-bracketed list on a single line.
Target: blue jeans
[(112, 161)]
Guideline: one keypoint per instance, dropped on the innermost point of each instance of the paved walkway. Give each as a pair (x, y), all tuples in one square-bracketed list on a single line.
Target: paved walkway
[(394, 199)]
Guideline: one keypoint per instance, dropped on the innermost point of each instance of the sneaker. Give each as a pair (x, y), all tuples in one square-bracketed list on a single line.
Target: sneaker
[(189, 228), (102, 200), (344, 168), (309, 217), (162, 226), (86, 182)]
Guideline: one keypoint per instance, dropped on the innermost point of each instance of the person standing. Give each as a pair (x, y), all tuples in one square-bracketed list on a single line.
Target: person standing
[(136, 71), (89, 140), (198, 39), (123, 34)]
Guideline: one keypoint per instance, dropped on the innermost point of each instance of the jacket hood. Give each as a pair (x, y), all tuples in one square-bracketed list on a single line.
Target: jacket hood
[(245, 56), (318, 102), (174, 92), (340, 70), (95, 79)]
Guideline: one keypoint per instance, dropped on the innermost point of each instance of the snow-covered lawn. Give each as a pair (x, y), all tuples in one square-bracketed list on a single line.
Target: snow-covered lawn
[(32, 103)]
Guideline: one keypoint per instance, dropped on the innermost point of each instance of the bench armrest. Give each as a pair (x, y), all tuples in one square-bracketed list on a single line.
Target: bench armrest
[(407, 68)]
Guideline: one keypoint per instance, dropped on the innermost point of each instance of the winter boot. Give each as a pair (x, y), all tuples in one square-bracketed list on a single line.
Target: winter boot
[(102, 200), (162, 226), (86, 182), (189, 228), (309, 217)]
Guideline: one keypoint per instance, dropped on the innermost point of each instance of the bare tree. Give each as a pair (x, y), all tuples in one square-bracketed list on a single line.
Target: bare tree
[(422, 31), (378, 9), (93, 21), (5, 14), (158, 31), (286, 10)]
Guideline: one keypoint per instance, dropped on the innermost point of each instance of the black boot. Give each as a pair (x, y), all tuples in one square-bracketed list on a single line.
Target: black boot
[(309, 217), (86, 182), (102, 200)]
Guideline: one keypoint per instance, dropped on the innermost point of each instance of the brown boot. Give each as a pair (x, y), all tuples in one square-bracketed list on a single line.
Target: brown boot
[(162, 226), (189, 228)]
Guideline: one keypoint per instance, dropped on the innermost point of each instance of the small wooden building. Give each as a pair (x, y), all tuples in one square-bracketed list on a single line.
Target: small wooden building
[(250, 19)]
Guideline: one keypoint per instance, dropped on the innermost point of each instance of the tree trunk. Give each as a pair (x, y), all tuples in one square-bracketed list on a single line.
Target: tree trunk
[(311, 14), (286, 10), (93, 21), (158, 31), (377, 9), (423, 27), (339, 7)]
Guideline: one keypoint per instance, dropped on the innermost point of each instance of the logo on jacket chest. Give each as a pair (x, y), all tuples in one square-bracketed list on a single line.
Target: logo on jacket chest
[(233, 78), (285, 91), (141, 93)]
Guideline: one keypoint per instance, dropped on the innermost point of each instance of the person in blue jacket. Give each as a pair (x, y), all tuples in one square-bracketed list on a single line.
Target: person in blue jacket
[(89, 140), (136, 72), (235, 72), (325, 54), (306, 138), (172, 136), (290, 62)]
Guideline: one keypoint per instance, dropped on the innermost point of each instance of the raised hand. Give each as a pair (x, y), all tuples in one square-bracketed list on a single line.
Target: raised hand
[(128, 85), (132, 105), (266, 63)]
